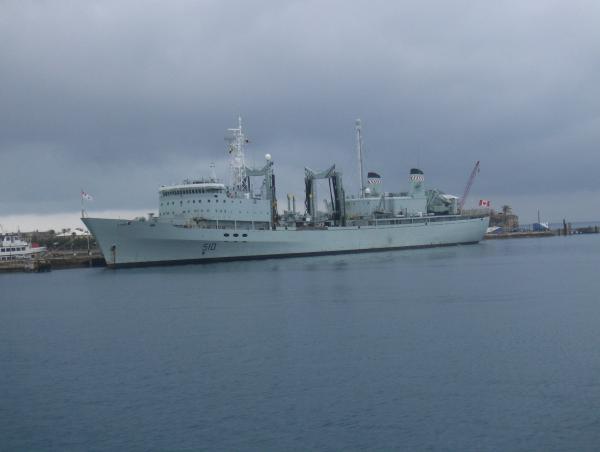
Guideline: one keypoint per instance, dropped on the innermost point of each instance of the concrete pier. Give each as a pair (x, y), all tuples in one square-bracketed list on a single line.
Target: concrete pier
[(566, 230), (54, 261), (519, 235)]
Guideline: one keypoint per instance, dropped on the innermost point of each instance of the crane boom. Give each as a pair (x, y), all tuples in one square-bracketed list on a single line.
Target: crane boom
[(469, 184)]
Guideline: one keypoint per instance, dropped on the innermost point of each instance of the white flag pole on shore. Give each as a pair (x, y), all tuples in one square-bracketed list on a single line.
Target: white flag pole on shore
[(87, 197)]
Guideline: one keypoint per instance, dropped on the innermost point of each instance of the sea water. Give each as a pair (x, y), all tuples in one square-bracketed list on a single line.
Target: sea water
[(493, 346)]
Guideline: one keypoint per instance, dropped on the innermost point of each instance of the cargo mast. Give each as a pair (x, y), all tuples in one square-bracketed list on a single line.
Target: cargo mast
[(359, 150)]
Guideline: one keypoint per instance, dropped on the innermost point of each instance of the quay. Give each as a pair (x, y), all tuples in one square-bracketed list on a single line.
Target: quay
[(519, 235), (60, 260), (24, 265), (566, 230), (53, 261)]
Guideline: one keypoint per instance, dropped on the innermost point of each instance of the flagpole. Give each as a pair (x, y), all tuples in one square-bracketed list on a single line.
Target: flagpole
[(82, 211)]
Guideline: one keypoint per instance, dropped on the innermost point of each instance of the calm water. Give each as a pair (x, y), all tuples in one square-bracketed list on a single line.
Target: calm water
[(488, 347)]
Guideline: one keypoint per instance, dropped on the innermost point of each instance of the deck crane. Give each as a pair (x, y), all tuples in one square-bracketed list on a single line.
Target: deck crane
[(468, 187)]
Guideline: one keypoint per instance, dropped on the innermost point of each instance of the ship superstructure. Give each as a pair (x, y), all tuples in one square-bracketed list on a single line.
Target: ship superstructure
[(208, 202), (204, 219)]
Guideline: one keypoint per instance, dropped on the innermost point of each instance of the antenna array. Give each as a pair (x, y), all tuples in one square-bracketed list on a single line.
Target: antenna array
[(237, 165)]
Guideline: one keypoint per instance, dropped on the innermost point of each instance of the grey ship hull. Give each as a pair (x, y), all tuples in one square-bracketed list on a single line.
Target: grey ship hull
[(142, 243)]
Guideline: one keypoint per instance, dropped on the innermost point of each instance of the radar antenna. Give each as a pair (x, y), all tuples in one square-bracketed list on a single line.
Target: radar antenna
[(237, 165)]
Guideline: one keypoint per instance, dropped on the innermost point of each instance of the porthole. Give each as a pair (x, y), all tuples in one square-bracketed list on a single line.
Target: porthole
[(244, 235), (236, 235), (226, 234)]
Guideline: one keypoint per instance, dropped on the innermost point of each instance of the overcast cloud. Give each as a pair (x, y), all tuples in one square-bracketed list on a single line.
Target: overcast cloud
[(119, 97)]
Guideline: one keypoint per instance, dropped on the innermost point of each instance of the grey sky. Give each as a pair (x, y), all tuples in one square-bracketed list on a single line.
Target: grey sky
[(119, 97)]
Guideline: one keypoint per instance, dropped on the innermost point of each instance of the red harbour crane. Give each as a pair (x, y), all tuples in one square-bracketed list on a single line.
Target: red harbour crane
[(469, 184)]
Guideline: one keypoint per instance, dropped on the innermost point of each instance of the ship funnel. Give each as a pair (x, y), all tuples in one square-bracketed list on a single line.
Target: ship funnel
[(373, 181), (416, 178)]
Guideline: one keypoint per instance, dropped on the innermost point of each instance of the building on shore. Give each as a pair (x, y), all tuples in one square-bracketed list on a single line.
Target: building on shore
[(505, 219)]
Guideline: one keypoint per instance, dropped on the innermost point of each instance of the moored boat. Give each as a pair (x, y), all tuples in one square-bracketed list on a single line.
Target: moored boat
[(13, 247)]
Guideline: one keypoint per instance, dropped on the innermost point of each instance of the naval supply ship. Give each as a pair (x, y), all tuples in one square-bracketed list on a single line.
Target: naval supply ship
[(204, 220)]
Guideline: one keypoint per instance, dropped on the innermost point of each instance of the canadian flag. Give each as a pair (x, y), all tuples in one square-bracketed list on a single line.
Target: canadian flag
[(86, 196), (484, 203)]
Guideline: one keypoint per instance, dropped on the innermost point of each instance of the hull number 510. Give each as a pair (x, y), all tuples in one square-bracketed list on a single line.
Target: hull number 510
[(209, 247)]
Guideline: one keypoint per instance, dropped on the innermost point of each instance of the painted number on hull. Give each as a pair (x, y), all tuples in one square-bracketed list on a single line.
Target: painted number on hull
[(209, 247)]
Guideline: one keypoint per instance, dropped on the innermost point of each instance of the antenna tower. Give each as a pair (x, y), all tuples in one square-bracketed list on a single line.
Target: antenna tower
[(359, 151), (237, 164)]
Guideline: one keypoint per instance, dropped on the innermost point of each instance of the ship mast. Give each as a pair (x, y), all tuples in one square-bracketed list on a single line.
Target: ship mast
[(237, 164), (359, 150)]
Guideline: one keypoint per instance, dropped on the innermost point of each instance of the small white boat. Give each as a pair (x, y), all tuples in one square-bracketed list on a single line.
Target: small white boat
[(13, 247), (493, 229)]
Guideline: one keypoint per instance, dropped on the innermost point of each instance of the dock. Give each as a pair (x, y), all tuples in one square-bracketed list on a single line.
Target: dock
[(24, 265), (75, 260), (519, 235), (567, 230), (53, 261)]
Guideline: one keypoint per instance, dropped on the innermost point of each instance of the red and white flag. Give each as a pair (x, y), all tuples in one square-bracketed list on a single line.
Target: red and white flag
[(484, 203), (86, 196)]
